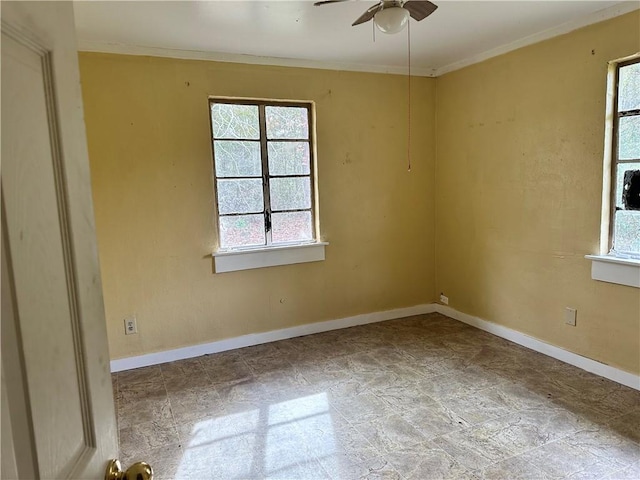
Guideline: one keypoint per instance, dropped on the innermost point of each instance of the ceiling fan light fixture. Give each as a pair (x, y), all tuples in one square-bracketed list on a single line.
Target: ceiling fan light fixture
[(391, 19)]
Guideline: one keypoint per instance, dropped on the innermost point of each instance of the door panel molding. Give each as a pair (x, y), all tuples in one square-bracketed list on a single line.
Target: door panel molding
[(68, 252)]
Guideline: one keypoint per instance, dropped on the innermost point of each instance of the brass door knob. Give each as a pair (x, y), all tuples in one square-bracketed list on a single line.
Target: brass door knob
[(137, 471)]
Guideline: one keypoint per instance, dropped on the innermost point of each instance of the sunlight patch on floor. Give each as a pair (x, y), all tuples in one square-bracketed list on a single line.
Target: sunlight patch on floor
[(273, 441)]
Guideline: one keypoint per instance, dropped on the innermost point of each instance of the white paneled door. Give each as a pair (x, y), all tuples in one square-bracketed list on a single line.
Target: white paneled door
[(58, 418)]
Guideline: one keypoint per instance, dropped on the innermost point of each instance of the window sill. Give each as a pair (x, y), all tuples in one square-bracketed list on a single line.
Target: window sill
[(623, 271), (235, 260)]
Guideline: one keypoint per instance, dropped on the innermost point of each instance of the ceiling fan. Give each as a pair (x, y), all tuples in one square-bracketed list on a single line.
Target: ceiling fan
[(390, 16)]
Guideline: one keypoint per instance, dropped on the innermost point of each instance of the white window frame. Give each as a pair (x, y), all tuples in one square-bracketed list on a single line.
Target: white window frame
[(270, 254), (610, 266)]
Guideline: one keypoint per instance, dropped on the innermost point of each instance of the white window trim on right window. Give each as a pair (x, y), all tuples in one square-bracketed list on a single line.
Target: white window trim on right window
[(611, 266)]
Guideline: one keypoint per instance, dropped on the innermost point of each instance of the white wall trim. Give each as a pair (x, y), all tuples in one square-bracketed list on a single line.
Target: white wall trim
[(595, 17), (122, 49), (623, 271), (247, 259), (265, 337), (593, 366)]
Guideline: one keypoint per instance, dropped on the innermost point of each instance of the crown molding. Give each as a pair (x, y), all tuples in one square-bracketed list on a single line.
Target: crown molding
[(122, 49), (595, 17)]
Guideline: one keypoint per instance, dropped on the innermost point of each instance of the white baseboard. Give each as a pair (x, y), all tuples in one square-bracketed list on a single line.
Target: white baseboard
[(259, 338), (593, 366)]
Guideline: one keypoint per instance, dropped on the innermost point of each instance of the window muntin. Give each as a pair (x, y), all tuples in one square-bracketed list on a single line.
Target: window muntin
[(625, 223), (263, 172)]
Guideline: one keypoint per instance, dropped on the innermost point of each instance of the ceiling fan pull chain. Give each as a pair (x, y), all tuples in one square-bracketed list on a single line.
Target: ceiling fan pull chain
[(409, 62)]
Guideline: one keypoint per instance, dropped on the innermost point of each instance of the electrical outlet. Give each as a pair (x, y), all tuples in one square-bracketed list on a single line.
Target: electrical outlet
[(444, 299), (570, 316), (130, 326)]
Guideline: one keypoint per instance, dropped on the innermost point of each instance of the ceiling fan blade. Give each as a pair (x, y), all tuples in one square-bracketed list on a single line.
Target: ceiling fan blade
[(419, 9), (324, 2), (368, 15)]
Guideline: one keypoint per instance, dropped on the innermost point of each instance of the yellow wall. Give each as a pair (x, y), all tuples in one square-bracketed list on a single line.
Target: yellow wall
[(149, 147), (518, 192)]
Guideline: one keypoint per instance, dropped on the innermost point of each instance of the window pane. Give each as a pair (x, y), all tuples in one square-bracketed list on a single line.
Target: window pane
[(237, 159), (240, 196), (235, 121), (290, 193), (627, 232), (289, 158), (623, 167), (242, 230), (629, 138), (629, 88), (287, 122), (291, 227)]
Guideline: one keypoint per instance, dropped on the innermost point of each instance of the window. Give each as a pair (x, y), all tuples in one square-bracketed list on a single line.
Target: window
[(619, 258), (625, 187), (264, 174)]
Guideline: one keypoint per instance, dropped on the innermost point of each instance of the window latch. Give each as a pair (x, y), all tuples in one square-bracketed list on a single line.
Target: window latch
[(267, 221)]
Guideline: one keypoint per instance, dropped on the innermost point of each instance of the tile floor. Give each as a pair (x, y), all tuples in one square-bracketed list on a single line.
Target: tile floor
[(424, 397)]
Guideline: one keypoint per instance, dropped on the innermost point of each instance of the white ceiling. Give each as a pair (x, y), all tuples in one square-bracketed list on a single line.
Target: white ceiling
[(297, 33)]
